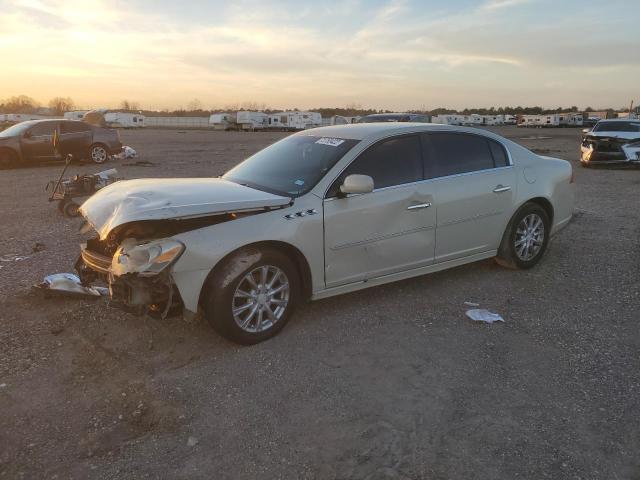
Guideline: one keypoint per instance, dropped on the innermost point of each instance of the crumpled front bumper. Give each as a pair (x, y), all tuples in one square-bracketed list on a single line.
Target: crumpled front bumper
[(593, 152), (132, 292)]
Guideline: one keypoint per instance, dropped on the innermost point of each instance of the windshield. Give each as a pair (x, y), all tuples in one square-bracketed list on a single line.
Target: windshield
[(292, 166), (17, 129), (617, 127)]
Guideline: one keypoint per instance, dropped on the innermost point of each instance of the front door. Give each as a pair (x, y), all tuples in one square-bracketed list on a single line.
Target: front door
[(38, 143), (385, 231)]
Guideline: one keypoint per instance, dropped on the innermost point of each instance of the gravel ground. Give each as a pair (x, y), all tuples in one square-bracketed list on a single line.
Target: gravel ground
[(390, 382)]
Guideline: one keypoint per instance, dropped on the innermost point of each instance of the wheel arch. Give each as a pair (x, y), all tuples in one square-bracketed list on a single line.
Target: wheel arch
[(12, 150), (302, 265), (544, 203)]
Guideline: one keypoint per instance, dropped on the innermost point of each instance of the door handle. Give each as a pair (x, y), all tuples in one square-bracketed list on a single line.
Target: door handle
[(501, 188), (419, 206)]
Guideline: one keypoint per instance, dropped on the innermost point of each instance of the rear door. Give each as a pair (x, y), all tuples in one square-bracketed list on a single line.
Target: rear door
[(38, 143), (474, 186), (385, 231), (75, 138)]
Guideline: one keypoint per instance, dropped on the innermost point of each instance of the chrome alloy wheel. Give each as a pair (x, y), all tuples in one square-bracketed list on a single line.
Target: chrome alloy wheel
[(98, 154), (529, 237), (260, 299)]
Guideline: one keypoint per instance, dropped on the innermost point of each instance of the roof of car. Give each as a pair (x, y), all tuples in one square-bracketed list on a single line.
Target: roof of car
[(361, 131), (619, 120)]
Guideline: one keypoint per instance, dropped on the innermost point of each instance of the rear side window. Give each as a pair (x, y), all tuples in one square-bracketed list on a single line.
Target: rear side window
[(454, 153), (390, 162), (73, 127), (499, 154)]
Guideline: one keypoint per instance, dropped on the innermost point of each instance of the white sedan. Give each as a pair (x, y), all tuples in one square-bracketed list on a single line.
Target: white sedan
[(323, 212)]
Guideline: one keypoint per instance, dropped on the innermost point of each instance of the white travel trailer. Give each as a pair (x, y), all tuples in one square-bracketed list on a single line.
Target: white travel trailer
[(22, 117), (294, 120), (571, 119), (124, 120), (448, 119), (252, 120), (223, 121), (552, 120), (75, 114)]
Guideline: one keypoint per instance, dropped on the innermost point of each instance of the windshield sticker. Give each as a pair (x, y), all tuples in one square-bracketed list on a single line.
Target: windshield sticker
[(332, 142), (299, 182)]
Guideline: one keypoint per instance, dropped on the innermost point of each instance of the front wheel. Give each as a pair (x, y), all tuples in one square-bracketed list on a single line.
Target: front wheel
[(526, 238), (98, 153), (251, 297)]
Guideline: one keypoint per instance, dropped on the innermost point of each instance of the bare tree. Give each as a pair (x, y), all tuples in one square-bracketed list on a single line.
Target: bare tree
[(129, 105), (194, 105), (20, 104), (59, 105)]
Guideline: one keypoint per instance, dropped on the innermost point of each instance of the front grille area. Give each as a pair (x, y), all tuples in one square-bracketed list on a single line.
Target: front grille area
[(95, 261)]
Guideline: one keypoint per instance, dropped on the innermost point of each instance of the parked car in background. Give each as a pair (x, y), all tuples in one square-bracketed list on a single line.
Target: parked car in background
[(32, 141), (395, 117), (615, 141), (320, 213)]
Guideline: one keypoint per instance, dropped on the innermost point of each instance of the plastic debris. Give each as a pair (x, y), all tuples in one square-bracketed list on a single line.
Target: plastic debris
[(69, 284), (471, 304), (482, 315), (13, 257), (126, 153)]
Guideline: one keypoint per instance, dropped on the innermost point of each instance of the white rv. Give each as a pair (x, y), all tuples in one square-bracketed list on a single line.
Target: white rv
[(571, 119), (551, 120), (223, 121), (252, 120), (75, 115), (294, 120), (124, 120)]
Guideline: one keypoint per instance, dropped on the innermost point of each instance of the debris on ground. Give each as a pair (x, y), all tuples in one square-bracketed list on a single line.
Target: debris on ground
[(13, 257), (471, 304), (482, 315), (69, 284), (38, 247), (192, 442), (126, 153)]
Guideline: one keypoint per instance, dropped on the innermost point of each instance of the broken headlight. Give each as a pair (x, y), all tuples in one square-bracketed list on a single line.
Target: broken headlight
[(147, 259)]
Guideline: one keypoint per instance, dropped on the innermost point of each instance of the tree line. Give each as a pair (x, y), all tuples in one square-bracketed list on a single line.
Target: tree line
[(59, 105)]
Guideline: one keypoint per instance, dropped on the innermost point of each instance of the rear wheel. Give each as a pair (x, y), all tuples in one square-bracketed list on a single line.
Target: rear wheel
[(251, 297), (526, 238), (98, 153), (8, 158)]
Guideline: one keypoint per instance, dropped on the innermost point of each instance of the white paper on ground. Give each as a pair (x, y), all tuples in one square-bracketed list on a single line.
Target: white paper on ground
[(482, 315)]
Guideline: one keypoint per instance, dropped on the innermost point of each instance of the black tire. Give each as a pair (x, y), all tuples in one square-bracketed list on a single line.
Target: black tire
[(219, 295), (8, 158), (98, 153), (509, 254), (70, 209)]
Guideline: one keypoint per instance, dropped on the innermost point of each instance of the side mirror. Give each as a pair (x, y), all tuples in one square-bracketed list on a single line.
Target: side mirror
[(357, 184)]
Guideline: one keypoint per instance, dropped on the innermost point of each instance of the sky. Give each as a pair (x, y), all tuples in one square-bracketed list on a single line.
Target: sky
[(387, 54)]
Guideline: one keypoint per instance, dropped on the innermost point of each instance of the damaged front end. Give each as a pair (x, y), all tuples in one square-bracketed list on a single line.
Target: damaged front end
[(136, 264), (597, 149)]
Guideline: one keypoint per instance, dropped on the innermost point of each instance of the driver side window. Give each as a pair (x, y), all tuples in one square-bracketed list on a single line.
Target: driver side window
[(42, 129), (391, 162)]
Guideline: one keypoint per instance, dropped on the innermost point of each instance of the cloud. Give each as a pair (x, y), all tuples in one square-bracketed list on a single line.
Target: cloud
[(498, 4)]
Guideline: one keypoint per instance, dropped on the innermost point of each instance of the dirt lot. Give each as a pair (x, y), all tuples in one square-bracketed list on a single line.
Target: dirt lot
[(390, 382)]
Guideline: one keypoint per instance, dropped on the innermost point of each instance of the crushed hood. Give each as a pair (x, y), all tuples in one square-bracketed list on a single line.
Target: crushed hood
[(176, 198)]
